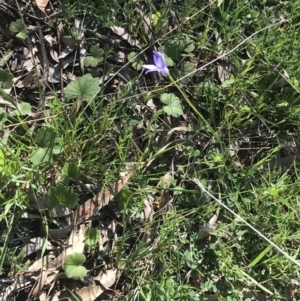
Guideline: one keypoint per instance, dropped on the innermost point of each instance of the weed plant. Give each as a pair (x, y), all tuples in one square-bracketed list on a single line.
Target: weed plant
[(250, 100)]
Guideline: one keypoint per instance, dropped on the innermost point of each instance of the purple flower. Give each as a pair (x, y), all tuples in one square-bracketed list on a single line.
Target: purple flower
[(159, 64)]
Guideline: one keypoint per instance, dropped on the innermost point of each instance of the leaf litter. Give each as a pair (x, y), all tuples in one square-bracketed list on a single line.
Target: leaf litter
[(23, 65)]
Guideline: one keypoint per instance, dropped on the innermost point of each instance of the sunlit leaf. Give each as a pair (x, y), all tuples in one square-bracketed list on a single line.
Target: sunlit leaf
[(172, 104), (73, 266)]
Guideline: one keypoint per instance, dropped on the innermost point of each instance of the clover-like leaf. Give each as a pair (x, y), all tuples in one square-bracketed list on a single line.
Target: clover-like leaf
[(181, 44), (95, 58), (17, 26), (73, 266), (63, 195), (172, 51), (24, 108), (92, 237), (6, 78), (183, 70), (186, 68), (136, 61), (85, 87), (18, 29), (188, 44), (172, 103), (21, 36)]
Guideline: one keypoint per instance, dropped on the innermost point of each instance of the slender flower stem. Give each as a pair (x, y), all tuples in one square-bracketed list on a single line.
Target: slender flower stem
[(190, 103)]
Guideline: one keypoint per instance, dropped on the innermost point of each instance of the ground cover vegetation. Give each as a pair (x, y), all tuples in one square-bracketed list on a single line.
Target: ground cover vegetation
[(109, 173)]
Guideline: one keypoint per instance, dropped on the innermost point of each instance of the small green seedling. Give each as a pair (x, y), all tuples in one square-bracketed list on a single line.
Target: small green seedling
[(136, 60), (18, 29), (95, 58), (172, 103), (61, 194), (6, 79), (73, 266)]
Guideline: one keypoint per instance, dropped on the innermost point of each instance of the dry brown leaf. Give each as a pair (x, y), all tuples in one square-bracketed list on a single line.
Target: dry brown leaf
[(163, 149), (41, 4), (165, 195), (21, 282), (147, 213), (76, 243), (85, 211), (43, 296), (60, 296), (107, 279), (34, 245), (39, 284), (60, 233), (122, 32), (90, 293), (38, 263), (58, 276)]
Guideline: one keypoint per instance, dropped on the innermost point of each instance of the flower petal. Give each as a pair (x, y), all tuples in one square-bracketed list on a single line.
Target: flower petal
[(164, 71), (151, 68), (159, 59)]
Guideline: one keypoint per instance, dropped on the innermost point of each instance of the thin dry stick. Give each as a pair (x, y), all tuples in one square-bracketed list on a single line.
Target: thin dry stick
[(248, 224)]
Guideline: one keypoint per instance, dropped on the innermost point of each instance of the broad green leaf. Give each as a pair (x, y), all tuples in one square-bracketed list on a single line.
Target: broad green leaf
[(17, 26), (41, 155), (172, 51), (73, 266), (63, 195), (70, 171), (155, 18), (90, 61), (97, 52), (188, 44), (18, 29), (181, 44), (184, 69), (169, 61), (21, 36), (172, 104), (57, 149), (47, 137), (92, 236), (85, 87), (95, 58), (6, 78), (136, 62), (24, 108)]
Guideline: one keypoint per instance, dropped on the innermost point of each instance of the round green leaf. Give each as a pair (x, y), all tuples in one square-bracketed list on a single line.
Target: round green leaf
[(85, 87), (73, 266)]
